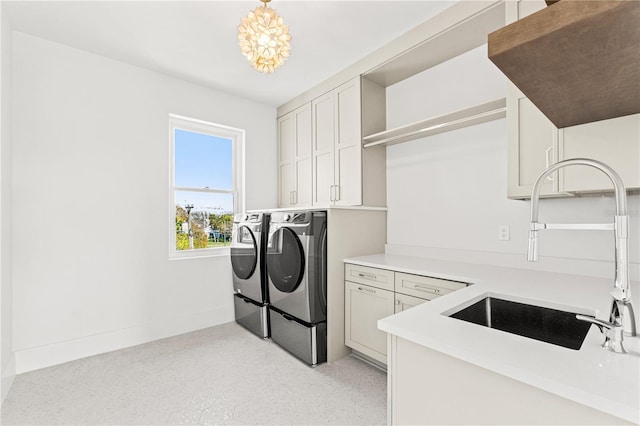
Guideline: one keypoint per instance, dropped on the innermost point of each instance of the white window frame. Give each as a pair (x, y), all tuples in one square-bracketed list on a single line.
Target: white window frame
[(237, 136)]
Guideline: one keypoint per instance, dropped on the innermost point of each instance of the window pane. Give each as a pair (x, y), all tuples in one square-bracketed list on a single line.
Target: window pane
[(211, 220), (203, 161)]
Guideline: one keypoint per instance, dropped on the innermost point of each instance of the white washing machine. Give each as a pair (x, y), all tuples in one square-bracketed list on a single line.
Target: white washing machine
[(297, 282)]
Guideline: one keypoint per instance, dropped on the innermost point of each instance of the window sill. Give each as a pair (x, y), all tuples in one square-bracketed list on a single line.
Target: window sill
[(199, 254)]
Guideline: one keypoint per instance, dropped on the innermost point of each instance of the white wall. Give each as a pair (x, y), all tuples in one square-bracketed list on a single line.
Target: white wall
[(448, 192), (7, 369), (90, 203)]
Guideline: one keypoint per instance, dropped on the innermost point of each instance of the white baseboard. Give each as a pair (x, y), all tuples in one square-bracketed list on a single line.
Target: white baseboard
[(8, 375), (590, 267), (34, 358)]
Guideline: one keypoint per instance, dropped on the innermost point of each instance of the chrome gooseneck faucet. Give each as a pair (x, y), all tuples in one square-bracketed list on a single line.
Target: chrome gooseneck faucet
[(621, 307)]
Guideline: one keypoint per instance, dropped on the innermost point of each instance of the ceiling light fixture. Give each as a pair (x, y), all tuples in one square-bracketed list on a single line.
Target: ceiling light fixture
[(264, 39)]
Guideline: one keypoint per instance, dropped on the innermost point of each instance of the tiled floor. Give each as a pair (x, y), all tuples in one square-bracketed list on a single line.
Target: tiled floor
[(220, 375)]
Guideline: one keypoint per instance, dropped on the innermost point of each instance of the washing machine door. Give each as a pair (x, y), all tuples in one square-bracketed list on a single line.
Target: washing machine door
[(285, 260), (244, 253)]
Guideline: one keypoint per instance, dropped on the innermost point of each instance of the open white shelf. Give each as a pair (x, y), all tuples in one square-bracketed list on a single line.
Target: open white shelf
[(482, 113)]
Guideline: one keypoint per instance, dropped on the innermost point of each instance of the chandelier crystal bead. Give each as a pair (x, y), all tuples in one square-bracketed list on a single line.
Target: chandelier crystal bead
[(264, 39)]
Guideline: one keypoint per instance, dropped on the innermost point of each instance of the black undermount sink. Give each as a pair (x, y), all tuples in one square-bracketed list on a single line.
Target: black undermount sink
[(535, 322)]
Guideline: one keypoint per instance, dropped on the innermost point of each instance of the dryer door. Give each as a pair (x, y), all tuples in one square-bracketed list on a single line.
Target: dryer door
[(285, 260), (244, 253)]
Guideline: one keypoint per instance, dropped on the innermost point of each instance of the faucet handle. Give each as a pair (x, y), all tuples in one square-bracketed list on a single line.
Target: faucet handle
[(613, 333), (620, 294)]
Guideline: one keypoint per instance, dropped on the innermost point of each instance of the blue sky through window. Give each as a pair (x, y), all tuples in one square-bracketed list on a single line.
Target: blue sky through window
[(203, 161)]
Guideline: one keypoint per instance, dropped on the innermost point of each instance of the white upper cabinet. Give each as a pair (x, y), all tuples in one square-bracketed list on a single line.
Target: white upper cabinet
[(339, 167), (286, 150), (294, 157), (534, 143), (615, 142), (345, 109), (337, 146), (532, 146), (324, 137)]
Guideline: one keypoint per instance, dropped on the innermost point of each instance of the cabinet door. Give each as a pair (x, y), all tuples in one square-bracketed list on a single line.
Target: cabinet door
[(324, 136), (348, 146), (364, 306), (286, 159), (522, 8), (294, 157), (404, 302), (532, 146), (615, 142), (532, 140), (303, 169)]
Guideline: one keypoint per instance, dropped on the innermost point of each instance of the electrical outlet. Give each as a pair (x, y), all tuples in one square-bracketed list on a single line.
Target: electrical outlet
[(503, 232)]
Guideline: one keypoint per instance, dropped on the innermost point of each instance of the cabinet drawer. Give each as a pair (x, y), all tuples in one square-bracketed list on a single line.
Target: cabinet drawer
[(424, 287), (404, 302), (380, 278)]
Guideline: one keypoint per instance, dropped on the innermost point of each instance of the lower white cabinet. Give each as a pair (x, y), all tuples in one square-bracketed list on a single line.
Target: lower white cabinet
[(404, 302), (427, 387), (372, 294), (366, 306)]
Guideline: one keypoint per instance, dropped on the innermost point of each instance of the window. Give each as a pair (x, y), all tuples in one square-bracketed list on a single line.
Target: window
[(206, 186)]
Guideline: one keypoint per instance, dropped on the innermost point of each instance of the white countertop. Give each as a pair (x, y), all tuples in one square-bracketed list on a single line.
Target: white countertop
[(590, 376), (319, 207)]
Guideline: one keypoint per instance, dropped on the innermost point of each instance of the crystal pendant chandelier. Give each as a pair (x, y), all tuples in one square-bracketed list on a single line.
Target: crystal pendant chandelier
[(264, 39)]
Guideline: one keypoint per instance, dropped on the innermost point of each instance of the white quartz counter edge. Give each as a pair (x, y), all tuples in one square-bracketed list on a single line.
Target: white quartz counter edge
[(590, 376), (316, 208)]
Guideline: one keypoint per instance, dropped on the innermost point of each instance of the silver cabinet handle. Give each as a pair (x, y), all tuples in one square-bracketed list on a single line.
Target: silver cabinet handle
[(367, 289), (368, 276), (424, 287), (421, 287), (547, 160), (295, 197), (332, 193)]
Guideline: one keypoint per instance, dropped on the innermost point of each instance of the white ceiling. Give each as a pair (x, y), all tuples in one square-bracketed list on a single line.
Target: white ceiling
[(196, 40)]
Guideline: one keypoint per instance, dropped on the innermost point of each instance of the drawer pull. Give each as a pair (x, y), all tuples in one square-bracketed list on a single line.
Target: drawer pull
[(368, 276), (367, 289), (421, 287)]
